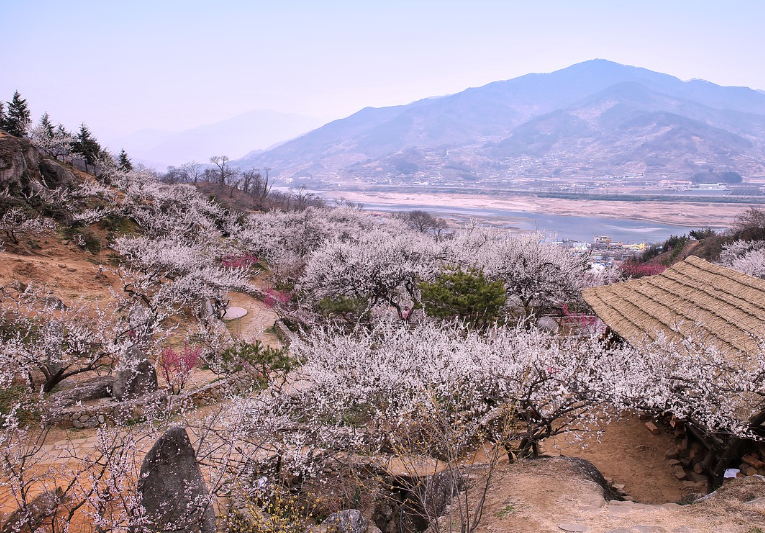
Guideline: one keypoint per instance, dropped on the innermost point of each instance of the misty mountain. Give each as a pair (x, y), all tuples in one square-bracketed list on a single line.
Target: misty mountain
[(596, 116), (235, 137)]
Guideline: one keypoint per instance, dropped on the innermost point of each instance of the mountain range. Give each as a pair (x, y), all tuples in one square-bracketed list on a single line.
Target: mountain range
[(593, 118), (235, 137)]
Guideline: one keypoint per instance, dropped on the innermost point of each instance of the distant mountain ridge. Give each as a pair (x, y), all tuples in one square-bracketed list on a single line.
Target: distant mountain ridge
[(593, 117), (235, 137)]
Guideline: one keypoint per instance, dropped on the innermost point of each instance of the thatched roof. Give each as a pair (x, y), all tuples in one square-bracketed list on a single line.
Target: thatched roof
[(693, 298)]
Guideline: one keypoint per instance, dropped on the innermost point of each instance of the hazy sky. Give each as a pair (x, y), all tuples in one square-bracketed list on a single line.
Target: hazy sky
[(120, 66)]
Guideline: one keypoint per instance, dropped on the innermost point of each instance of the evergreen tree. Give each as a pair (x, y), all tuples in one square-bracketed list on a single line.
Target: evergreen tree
[(46, 126), (86, 145), (18, 119), (2, 115), (466, 295), (124, 163)]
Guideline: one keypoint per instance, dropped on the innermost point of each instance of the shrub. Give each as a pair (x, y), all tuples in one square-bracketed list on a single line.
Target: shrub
[(176, 365), (262, 361), (633, 269), (274, 297), (349, 309), (466, 295), (239, 261)]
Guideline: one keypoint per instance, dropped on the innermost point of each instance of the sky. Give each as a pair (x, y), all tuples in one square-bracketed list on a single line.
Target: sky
[(124, 65)]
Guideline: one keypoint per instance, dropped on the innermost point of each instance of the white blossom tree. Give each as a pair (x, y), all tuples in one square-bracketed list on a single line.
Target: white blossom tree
[(47, 342), (538, 275), (378, 268), (745, 256)]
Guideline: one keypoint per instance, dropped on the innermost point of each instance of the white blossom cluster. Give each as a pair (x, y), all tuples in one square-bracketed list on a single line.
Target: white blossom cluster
[(745, 256)]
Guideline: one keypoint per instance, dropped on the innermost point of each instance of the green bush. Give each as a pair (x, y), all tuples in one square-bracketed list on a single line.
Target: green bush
[(350, 309), (264, 361), (467, 295)]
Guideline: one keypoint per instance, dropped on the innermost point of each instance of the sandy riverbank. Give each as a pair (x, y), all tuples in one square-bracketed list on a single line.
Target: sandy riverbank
[(690, 214)]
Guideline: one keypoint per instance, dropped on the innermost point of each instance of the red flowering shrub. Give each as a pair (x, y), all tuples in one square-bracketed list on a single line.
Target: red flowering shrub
[(274, 297), (633, 269), (239, 261), (579, 320), (176, 365)]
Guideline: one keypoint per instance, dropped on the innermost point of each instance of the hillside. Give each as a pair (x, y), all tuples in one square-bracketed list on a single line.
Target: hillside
[(105, 274), (591, 118)]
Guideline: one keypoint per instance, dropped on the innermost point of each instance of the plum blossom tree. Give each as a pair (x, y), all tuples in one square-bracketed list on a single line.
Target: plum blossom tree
[(550, 384), (54, 141), (285, 241), (745, 256), (538, 275), (377, 268), (46, 342), (16, 221), (168, 274)]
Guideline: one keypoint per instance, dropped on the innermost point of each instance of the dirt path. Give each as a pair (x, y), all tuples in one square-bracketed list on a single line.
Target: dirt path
[(257, 324), (549, 496)]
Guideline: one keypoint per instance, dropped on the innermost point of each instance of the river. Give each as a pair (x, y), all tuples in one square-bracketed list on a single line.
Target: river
[(580, 228)]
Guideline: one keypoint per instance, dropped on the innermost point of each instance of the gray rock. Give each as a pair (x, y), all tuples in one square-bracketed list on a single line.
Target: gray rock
[(172, 489), (93, 389), (589, 471), (348, 521), (548, 323), (136, 378), (43, 508), (648, 529), (576, 528), (55, 175)]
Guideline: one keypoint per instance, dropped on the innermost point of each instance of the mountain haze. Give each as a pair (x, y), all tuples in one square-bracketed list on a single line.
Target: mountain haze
[(593, 117), (235, 137)]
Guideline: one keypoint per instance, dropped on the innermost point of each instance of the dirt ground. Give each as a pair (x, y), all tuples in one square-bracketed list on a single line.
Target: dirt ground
[(550, 495), (257, 324), (629, 455), (61, 266)]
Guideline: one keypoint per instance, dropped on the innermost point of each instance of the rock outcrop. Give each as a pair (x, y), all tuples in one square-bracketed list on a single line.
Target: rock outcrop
[(93, 389), (348, 521), (22, 166)]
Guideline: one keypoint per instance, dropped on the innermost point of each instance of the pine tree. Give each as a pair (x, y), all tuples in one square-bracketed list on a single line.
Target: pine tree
[(18, 119), (46, 125), (2, 115), (125, 164), (86, 145)]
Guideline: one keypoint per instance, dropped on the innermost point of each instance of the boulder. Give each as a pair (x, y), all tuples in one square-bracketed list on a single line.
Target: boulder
[(39, 511), (136, 377), (348, 521), (93, 389), (55, 175), (172, 489), (24, 166)]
